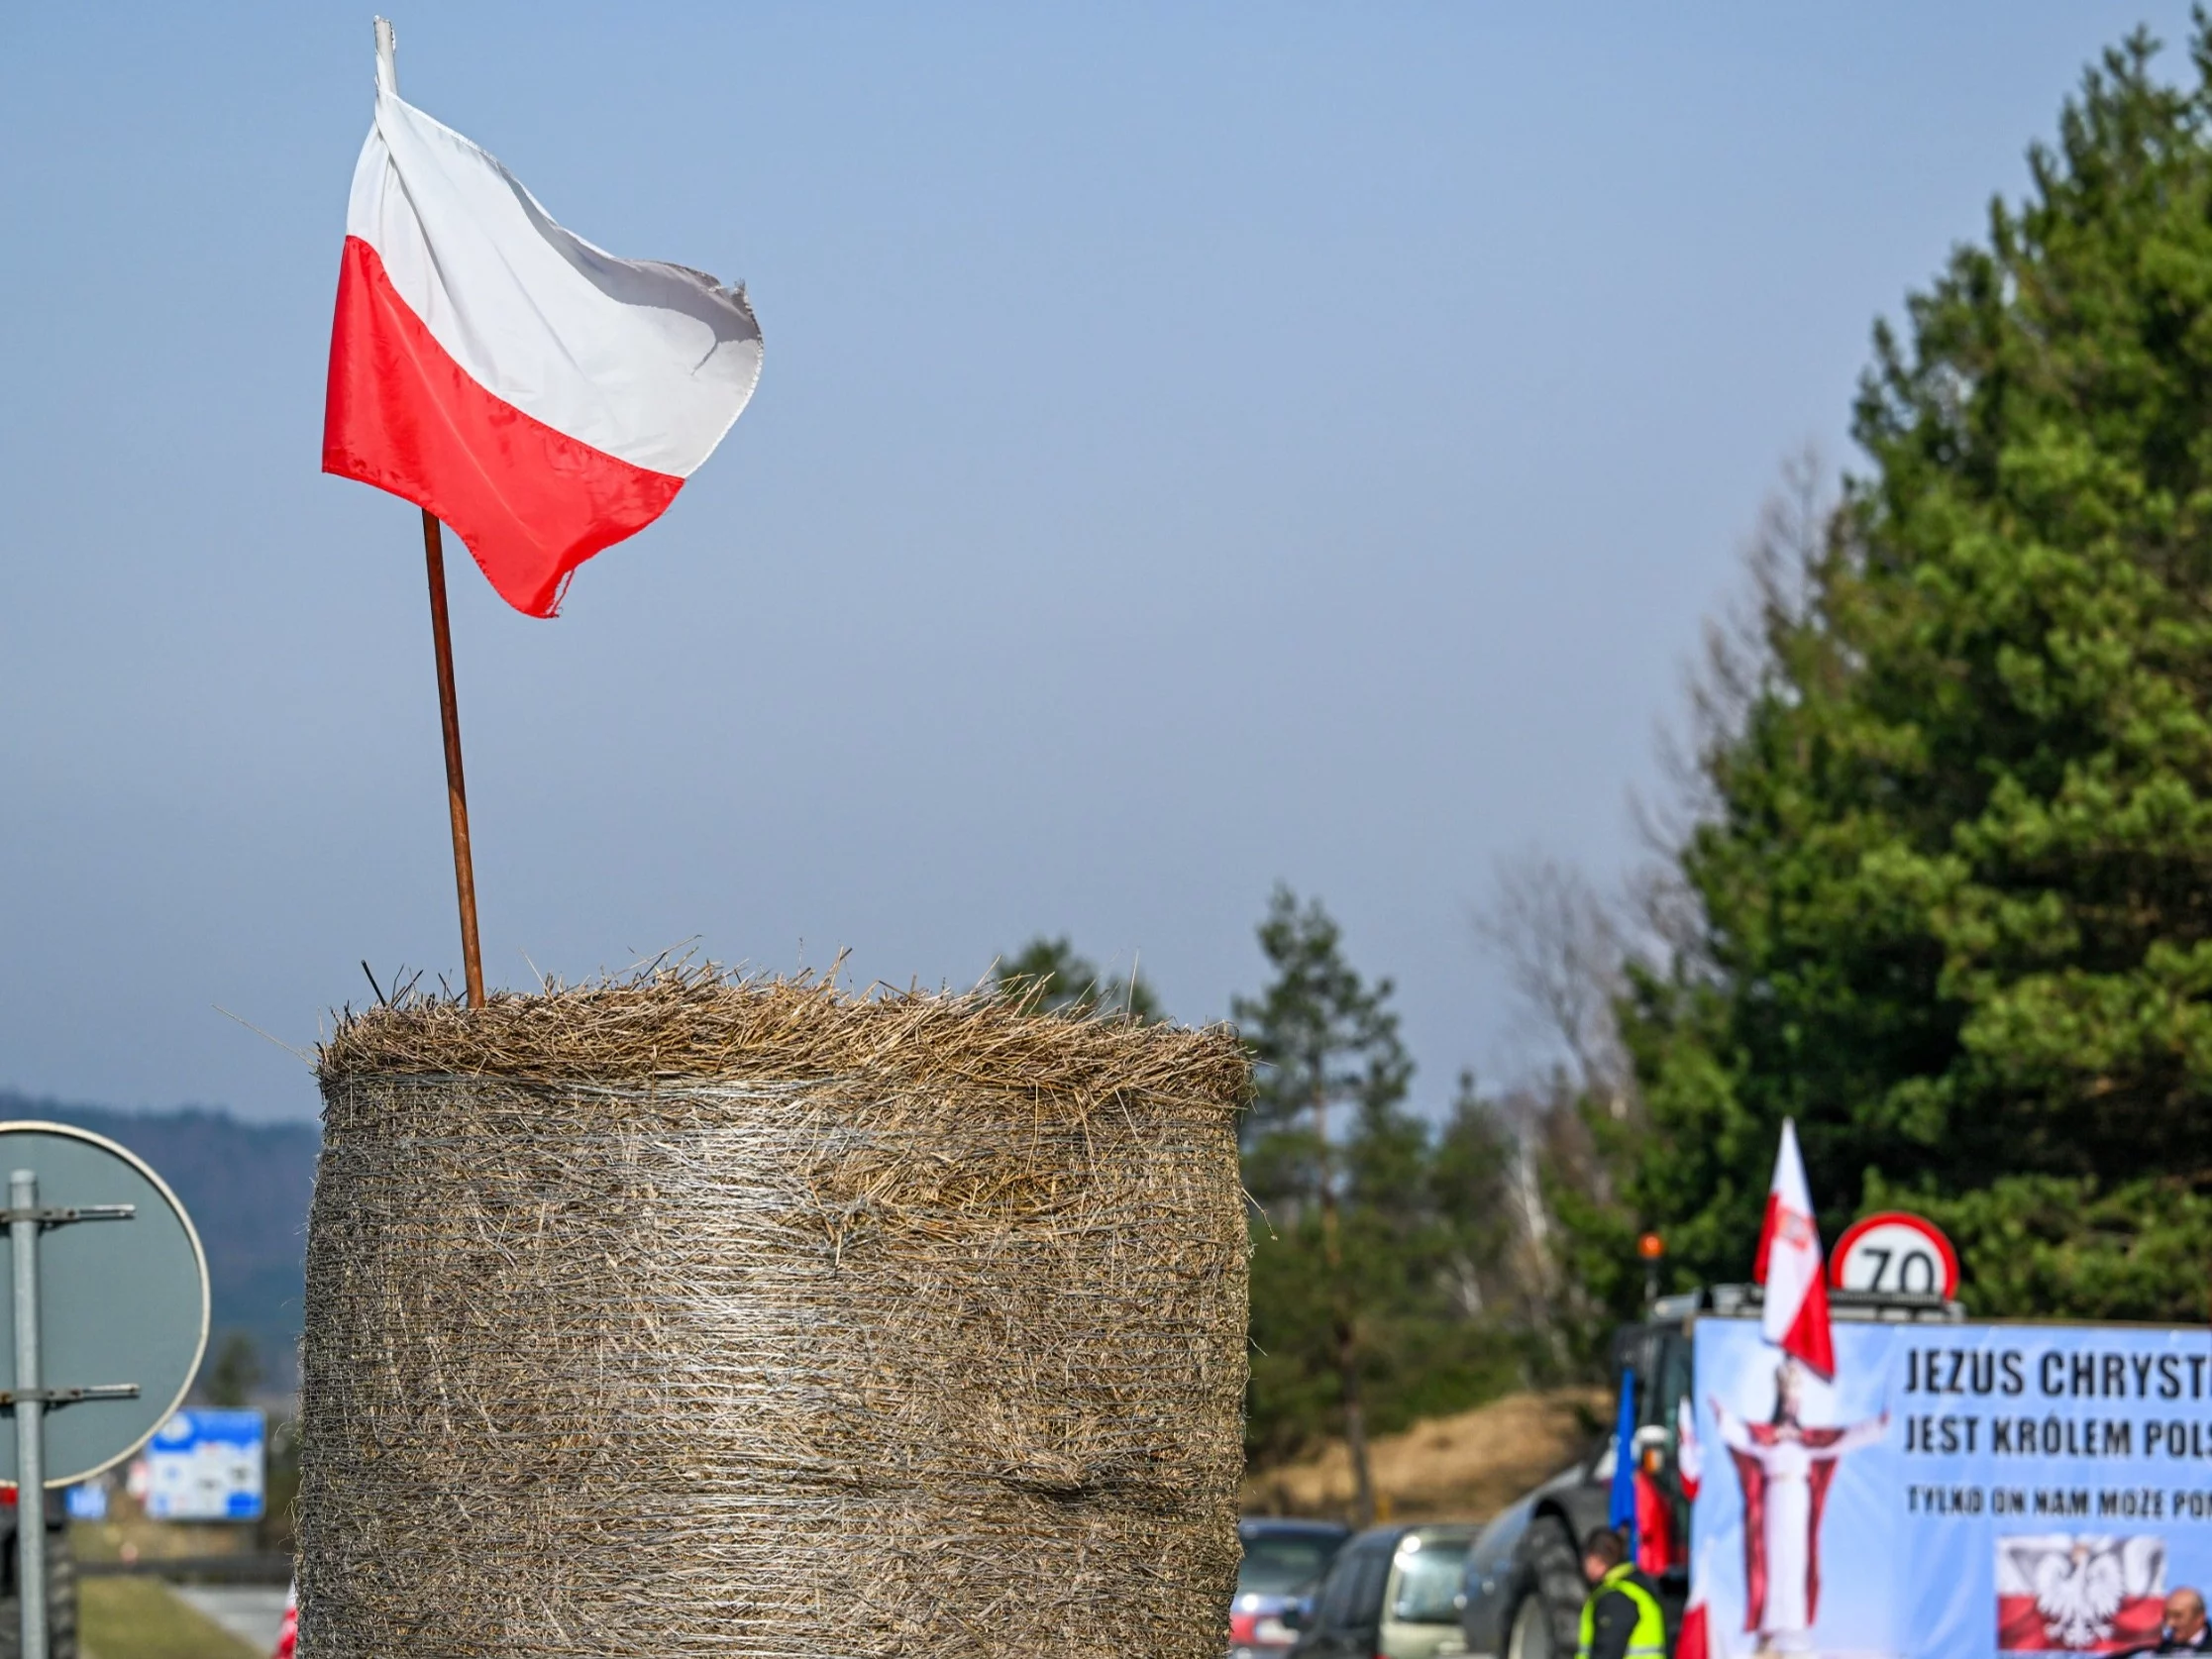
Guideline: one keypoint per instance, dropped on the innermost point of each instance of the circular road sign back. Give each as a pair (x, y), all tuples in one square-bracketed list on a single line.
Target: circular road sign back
[(119, 1301), (1895, 1253)]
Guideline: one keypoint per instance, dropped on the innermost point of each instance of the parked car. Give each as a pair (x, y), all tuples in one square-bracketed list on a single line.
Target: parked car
[(1284, 1561), (1394, 1592)]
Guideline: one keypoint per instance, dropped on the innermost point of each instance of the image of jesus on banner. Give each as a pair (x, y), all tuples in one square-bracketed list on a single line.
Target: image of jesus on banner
[(1784, 1466)]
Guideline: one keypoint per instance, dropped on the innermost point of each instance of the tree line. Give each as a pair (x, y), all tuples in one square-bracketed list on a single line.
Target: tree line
[(1393, 1273), (1935, 880), (1945, 891)]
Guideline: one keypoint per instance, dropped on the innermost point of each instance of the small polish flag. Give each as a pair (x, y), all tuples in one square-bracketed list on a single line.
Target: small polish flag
[(541, 396), (1794, 1312), (1696, 1638), (1689, 1456)]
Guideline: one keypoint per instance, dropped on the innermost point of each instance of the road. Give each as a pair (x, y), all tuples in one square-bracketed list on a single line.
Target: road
[(250, 1611)]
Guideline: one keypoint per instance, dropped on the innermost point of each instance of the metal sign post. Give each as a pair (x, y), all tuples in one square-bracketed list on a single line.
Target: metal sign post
[(30, 1458), (29, 1396)]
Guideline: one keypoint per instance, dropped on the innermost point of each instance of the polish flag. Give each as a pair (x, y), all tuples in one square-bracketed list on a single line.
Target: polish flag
[(1794, 1312), (1696, 1638), (541, 396)]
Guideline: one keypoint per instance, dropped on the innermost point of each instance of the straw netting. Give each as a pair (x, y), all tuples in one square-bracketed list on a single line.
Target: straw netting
[(687, 1316)]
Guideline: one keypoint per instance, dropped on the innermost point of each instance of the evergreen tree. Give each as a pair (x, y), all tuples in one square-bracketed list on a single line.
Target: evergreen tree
[(1325, 1043), (1426, 1260), (1470, 1185), (1063, 981), (1951, 890), (236, 1373)]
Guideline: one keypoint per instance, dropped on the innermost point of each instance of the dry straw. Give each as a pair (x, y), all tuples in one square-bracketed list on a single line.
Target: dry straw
[(684, 1315)]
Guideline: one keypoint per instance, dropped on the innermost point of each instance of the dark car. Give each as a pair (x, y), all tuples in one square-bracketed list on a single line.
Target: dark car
[(1284, 1561), (1393, 1594)]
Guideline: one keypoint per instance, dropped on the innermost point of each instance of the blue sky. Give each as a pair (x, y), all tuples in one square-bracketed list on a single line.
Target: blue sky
[(1198, 445)]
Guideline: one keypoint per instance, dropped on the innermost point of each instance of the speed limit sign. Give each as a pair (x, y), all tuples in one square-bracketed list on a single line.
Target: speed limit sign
[(1895, 1253)]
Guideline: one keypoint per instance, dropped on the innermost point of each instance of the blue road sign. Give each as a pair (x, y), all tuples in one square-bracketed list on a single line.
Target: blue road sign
[(87, 1501), (207, 1465)]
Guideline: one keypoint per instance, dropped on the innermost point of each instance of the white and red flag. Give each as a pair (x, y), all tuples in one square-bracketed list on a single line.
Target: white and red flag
[(1695, 1639), (1794, 1312), (541, 396)]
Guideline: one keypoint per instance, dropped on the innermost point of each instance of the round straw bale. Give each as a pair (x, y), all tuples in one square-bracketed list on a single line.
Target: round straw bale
[(691, 1316)]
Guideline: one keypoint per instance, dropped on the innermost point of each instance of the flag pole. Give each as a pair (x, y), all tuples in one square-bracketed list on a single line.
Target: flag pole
[(457, 790), (441, 635)]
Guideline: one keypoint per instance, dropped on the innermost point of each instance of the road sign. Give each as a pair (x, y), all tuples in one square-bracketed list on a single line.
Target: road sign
[(206, 1465), (120, 1300), (107, 1322), (88, 1501), (1895, 1253)]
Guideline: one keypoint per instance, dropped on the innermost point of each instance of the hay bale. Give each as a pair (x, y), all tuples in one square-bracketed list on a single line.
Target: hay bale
[(685, 1316)]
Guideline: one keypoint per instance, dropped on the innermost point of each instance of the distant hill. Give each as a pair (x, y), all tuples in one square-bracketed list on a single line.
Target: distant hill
[(246, 1186)]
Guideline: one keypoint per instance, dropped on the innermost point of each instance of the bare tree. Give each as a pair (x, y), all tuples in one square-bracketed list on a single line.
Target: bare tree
[(1567, 947), (1562, 948), (1739, 662)]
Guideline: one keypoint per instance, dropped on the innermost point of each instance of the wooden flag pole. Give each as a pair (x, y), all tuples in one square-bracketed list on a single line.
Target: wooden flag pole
[(456, 791), (441, 635)]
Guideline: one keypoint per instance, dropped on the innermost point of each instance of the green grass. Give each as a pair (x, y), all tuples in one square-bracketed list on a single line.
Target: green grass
[(137, 1618)]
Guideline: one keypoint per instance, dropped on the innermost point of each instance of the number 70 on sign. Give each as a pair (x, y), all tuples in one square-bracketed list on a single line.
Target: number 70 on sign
[(1894, 1254)]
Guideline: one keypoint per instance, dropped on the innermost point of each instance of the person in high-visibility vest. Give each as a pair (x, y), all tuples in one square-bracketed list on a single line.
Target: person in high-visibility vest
[(1622, 1618)]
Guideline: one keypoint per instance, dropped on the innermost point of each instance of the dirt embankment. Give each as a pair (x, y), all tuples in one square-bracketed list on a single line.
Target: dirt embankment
[(1465, 1467)]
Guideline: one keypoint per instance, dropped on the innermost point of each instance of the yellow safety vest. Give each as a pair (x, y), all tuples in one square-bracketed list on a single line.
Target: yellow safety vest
[(1648, 1640)]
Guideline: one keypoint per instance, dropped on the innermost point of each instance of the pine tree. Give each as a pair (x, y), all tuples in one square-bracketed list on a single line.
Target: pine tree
[(1325, 1043), (236, 1373), (1063, 981), (1953, 891)]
